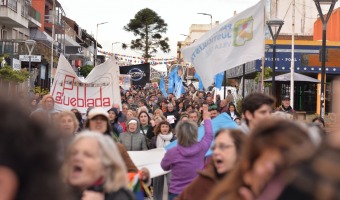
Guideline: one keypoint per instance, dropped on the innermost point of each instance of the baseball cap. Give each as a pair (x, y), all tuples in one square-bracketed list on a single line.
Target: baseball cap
[(286, 97), (97, 111)]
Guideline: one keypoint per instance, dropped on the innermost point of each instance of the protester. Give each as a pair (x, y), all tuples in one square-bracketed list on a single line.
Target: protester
[(163, 137), (172, 115), (223, 106), (273, 147), (113, 117), (159, 112), (188, 156), (230, 97), (47, 105), (233, 112), (146, 128), (255, 107), (133, 139), (194, 116), (285, 106), (226, 151), (94, 168), (29, 167), (213, 111)]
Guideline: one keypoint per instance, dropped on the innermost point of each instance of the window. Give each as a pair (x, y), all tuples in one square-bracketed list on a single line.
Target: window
[(21, 36), (3, 34)]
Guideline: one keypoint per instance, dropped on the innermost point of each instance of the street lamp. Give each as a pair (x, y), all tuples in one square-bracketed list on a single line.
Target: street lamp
[(96, 44), (323, 48), (112, 46), (275, 24), (210, 18), (30, 44)]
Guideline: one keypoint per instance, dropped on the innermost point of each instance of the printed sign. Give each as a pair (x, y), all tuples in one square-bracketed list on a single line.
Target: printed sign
[(34, 58), (99, 89), (140, 74)]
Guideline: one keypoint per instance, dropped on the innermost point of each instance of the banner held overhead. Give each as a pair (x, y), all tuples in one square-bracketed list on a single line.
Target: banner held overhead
[(232, 43)]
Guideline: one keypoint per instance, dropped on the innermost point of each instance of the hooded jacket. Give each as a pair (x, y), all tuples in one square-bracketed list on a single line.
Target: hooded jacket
[(185, 161), (133, 141), (202, 185)]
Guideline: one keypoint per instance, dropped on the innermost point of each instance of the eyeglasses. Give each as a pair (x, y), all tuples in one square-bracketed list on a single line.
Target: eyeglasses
[(221, 147)]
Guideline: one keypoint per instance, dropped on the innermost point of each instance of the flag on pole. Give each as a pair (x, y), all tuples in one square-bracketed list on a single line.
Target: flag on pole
[(162, 87), (171, 80), (200, 84), (232, 43), (219, 80)]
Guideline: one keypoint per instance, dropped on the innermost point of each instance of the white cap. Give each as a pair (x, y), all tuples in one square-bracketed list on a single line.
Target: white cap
[(97, 111)]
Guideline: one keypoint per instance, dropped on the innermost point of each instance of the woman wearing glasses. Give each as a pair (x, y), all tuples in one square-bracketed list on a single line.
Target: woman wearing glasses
[(226, 150)]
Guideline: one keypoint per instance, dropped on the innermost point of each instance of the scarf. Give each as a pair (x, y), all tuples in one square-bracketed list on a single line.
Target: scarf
[(163, 140)]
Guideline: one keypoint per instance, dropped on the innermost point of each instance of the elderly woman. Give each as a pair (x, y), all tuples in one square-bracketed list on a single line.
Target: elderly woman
[(132, 139), (226, 152), (68, 123), (98, 120), (47, 104), (94, 168), (274, 147)]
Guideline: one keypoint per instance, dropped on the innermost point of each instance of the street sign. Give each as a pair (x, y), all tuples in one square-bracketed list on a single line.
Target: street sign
[(34, 58), (16, 64)]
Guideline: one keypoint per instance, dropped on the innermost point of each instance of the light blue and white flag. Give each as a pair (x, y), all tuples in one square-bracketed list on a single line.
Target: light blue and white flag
[(162, 87), (200, 84), (219, 80), (234, 42)]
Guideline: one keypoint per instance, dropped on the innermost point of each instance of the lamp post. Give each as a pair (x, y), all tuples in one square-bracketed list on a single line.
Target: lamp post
[(96, 44), (30, 44), (210, 18), (323, 48), (277, 25), (112, 46)]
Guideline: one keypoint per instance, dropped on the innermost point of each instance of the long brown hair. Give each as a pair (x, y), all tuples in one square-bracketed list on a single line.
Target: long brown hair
[(157, 129), (292, 141)]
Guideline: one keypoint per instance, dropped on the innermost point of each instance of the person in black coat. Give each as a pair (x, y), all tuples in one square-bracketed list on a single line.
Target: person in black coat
[(232, 112), (172, 115)]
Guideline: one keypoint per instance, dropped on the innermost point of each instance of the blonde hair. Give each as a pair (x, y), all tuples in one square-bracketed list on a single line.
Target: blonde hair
[(160, 113), (72, 115), (44, 99), (112, 161), (186, 132)]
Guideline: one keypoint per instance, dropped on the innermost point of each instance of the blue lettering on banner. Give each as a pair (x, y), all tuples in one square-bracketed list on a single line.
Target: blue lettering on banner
[(224, 33)]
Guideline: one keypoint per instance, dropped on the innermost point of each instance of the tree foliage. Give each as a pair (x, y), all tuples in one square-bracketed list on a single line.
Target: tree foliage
[(85, 70), (148, 26), (267, 74)]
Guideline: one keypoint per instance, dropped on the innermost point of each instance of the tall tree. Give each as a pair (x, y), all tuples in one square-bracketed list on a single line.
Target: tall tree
[(148, 27)]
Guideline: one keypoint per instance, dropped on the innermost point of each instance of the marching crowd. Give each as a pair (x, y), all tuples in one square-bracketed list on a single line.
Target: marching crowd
[(55, 155)]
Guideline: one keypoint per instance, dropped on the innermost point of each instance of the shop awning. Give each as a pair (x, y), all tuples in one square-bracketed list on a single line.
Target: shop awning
[(297, 77)]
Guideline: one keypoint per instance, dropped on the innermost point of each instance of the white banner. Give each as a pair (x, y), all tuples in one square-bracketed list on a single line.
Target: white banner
[(99, 89), (125, 81), (150, 159), (232, 43)]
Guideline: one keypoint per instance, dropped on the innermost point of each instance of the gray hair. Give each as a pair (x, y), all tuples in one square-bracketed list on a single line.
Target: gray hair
[(115, 169), (186, 132)]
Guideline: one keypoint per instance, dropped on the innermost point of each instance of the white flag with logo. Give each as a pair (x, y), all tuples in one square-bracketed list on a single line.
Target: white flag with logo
[(232, 43), (99, 89)]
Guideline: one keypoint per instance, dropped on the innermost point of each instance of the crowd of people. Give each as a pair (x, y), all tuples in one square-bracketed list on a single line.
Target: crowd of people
[(51, 154)]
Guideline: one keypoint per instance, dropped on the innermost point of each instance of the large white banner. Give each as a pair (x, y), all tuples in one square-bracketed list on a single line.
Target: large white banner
[(99, 89), (232, 43)]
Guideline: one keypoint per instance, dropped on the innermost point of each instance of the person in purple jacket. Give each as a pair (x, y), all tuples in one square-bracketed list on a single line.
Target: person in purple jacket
[(188, 156)]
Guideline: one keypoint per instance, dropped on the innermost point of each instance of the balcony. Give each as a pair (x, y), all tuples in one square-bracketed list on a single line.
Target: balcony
[(12, 14), (59, 26), (12, 47), (34, 17)]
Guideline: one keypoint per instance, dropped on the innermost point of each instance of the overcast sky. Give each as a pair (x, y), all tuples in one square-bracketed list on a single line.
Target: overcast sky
[(178, 14)]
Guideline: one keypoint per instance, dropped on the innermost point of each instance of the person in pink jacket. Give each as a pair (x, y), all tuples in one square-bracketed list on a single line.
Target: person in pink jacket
[(188, 156)]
